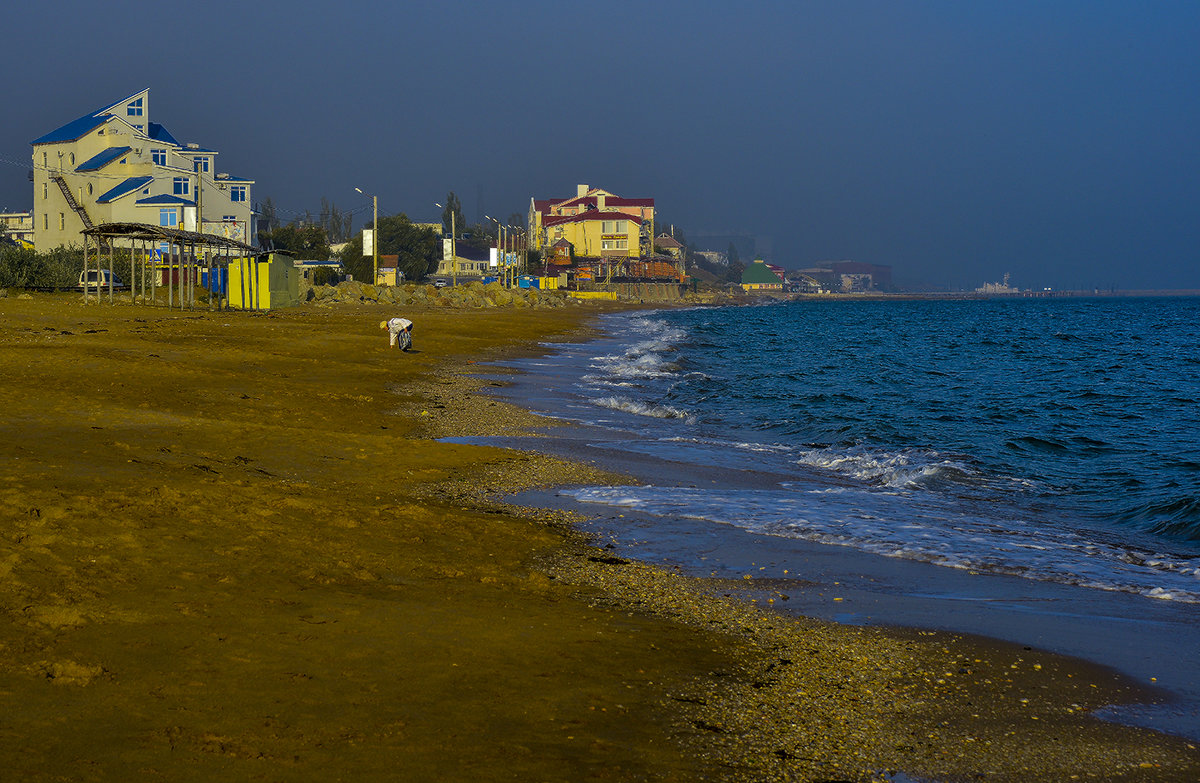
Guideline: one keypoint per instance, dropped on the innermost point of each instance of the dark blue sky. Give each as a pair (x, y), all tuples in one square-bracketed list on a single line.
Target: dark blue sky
[(953, 140)]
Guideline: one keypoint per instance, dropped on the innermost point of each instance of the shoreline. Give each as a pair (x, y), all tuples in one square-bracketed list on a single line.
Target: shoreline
[(1050, 627), (198, 501)]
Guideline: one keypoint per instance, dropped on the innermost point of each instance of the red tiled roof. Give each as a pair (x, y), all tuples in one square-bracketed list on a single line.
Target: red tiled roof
[(662, 240), (544, 205), (591, 214)]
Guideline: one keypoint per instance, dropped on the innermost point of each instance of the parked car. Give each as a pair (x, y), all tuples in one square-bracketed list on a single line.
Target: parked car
[(439, 283), (94, 279)]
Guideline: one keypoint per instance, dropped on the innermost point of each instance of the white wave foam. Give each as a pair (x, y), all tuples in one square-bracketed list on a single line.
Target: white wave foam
[(906, 469), (640, 408), (936, 530), (770, 448)]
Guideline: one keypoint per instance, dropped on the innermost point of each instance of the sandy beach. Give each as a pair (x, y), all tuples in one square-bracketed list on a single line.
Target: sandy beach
[(235, 548)]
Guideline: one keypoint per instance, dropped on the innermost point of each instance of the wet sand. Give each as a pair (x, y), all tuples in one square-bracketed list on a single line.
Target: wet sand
[(234, 549)]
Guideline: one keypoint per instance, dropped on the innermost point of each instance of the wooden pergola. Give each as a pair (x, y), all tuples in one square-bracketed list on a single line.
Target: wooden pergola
[(143, 241)]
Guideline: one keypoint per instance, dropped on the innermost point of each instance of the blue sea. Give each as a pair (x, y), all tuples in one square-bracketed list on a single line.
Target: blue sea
[(1043, 455), (1052, 439)]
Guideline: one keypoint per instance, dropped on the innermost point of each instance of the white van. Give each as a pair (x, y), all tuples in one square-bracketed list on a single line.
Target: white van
[(94, 279)]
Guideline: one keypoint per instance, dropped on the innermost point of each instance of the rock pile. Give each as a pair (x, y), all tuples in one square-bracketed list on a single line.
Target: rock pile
[(473, 294)]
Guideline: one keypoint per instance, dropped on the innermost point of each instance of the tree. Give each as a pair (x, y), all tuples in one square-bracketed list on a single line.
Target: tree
[(336, 223), (302, 241), (417, 248), (268, 218), (734, 257), (453, 208), (735, 271)]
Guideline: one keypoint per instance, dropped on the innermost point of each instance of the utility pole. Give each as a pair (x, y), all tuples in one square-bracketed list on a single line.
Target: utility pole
[(453, 250), (374, 239)]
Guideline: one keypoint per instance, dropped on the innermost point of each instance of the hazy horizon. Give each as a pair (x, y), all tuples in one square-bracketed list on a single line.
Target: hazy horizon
[(954, 142)]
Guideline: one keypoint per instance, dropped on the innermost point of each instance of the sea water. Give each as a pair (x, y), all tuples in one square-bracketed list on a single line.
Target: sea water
[(1026, 469), (1049, 439)]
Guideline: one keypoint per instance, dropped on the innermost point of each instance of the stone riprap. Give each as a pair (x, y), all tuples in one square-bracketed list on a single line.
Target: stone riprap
[(474, 294)]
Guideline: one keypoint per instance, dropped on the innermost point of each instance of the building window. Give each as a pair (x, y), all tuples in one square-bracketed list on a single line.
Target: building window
[(44, 163), (201, 164), (613, 227), (614, 244), (72, 158), (168, 217), (183, 186), (46, 220), (159, 157), (62, 221), (89, 188), (229, 217), (237, 193), (45, 191), (134, 109)]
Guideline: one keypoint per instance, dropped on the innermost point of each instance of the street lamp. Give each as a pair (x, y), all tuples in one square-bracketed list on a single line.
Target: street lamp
[(374, 239), (499, 247), (453, 254)]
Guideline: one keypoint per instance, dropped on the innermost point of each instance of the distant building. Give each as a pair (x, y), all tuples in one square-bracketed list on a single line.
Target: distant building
[(114, 165), (714, 257), (759, 277), (669, 245), (466, 261), (843, 277), (597, 224), (879, 276), (17, 226)]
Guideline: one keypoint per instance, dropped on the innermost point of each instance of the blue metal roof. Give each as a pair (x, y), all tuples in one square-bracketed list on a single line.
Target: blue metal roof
[(74, 129), (124, 189), (158, 133), (165, 198), (102, 159), (84, 125)]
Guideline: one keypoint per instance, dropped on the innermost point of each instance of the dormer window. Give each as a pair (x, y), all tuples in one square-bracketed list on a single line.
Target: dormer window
[(159, 157), (134, 109), (201, 164)]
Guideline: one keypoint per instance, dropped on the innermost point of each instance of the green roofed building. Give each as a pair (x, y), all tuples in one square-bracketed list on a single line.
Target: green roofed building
[(759, 277)]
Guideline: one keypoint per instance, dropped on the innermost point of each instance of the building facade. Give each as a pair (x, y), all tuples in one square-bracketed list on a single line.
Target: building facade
[(17, 226), (115, 165), (759, 277), (596, 223)]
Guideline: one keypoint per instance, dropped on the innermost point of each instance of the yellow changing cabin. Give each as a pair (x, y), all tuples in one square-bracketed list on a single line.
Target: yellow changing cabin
[(263, 282)]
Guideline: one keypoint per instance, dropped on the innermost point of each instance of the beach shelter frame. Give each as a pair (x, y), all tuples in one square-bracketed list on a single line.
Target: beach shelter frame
[(185, 247)]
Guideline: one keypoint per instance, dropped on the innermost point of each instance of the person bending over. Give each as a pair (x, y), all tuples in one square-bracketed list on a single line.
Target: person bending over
[(399, 332)]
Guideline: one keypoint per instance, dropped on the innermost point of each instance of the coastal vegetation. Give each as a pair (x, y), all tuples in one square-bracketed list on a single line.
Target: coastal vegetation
[(22, 267)]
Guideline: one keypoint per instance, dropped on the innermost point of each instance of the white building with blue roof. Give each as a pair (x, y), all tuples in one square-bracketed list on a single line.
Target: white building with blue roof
[(116, 166)]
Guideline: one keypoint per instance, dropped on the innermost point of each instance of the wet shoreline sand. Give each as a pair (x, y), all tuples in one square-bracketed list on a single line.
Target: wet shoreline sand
[(234, 549)]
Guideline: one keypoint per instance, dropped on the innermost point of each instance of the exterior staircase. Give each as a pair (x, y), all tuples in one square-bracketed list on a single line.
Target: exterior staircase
[(71, 202)]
